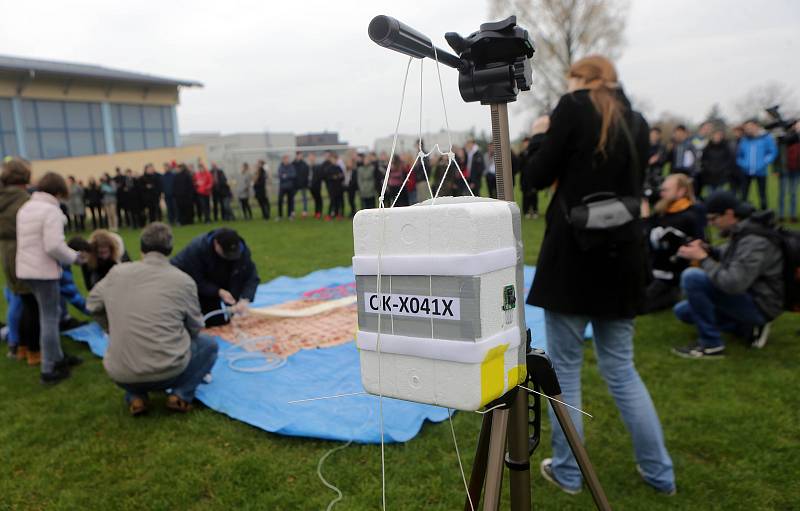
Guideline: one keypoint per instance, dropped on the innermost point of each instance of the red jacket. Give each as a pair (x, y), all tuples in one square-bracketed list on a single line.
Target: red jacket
[(203, 182)]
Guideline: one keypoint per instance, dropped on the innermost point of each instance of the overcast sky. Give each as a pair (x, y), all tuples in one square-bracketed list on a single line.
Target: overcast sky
[(308, 65)]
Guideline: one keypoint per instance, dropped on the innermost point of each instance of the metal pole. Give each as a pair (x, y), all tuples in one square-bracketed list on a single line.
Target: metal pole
[(589, 475), (494, 463), (518, 460), (502, 152), (478, 475)]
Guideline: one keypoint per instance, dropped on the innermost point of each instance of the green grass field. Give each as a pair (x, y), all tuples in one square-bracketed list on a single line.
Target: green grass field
[(731, 427)]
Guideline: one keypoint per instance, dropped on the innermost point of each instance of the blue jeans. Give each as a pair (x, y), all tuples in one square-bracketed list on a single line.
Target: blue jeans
[(204, 354), (613, 345), (788, 185), (712, 310), (13, 316), (48, 295)]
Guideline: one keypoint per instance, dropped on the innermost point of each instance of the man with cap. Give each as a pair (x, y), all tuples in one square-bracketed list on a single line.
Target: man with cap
[(737, 287), (221, 266)]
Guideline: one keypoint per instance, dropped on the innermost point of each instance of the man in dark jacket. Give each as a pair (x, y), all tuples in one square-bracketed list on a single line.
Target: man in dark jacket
[(260, 188), (302, 176), (737, 288), (151, 183), (677, 221), (287, 180), (475, 166), (168, 187), (183, 188), (219, 192), (221, 266), (682, 156), (717, 162), (317, 177)]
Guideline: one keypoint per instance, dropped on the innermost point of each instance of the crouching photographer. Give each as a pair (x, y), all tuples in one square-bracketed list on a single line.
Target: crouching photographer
[(591, 266), (738, 287), (676, 221)]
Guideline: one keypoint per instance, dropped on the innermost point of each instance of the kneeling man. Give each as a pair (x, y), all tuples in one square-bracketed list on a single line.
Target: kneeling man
[(152, 314), (221, 266), (738, 287)]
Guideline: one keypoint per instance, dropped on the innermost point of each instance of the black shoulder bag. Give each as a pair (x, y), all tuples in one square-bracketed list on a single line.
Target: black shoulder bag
[(604, 217)]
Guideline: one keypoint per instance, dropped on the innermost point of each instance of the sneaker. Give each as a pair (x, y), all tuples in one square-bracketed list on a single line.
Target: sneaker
[(12, 352), (55, 376), (546, 469), (758, 339), (698, 351), (668, 493), (70, 360)]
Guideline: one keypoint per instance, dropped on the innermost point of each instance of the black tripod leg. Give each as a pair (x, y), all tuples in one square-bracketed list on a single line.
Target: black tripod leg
[(479, 464)]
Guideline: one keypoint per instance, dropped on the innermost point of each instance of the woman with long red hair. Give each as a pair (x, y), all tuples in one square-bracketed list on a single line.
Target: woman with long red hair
[(591, 267)]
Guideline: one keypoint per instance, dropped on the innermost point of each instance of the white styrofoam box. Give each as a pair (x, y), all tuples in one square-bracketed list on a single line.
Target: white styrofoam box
[(476, 243)]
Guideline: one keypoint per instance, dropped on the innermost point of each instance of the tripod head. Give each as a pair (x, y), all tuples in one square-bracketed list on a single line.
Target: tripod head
[(493, 63)]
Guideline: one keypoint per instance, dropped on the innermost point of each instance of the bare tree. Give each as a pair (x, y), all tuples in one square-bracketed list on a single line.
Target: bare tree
[(563, 31), (753, 103)]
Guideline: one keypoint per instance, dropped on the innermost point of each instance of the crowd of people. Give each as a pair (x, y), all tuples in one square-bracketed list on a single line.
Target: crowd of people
[(627, 233)]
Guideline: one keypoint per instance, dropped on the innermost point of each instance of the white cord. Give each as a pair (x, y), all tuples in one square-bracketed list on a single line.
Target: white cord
[(271, 361), (556, 400), (458, 457)]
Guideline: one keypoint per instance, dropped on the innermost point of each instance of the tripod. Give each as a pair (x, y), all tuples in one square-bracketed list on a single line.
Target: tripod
[(494, 65)]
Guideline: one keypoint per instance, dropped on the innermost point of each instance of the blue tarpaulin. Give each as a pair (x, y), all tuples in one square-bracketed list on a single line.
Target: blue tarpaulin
[(262, 399)]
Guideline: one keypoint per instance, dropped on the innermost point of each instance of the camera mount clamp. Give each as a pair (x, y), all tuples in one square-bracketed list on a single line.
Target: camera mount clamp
[(494, 66)]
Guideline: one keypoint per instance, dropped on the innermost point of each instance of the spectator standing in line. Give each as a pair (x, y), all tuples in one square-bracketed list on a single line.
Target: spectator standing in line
[(135, 199), (315, 186), (109, 189), (699, 142), (122, 197), (243, 188), (491, 172), (717, 162), (203, 183), (94, 201), (260, 188), (168, 187), (41, 251), (15, 179), (737, 179), (183, 188), (153, 317), (76, 205), (421, 189), (654, 176), (219, 182), (790, 174), (351, 182), (368, 180), (303, 172), (757, 150), (152, 188), (334, 179), (287, 180), (681, 155), (475, 166), (395, 193)]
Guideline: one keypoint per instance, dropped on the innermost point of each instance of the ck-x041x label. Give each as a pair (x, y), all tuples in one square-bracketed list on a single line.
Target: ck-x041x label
[(437, 307)]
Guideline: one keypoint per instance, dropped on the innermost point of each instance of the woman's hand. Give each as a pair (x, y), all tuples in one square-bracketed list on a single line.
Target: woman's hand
[(540, 125)]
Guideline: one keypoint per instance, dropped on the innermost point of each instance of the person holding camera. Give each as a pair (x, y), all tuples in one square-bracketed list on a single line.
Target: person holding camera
[(676, 222), (738, 287), (595, 147)]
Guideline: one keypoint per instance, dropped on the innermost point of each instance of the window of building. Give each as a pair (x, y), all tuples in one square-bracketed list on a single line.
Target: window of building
[(8, 137), (138, 127), (59, 129)]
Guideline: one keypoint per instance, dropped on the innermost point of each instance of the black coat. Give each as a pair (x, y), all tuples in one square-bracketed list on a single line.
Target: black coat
[(301, 173), (607, 282), (260, 184), (182, 185), (718, 163), (212, 273)]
